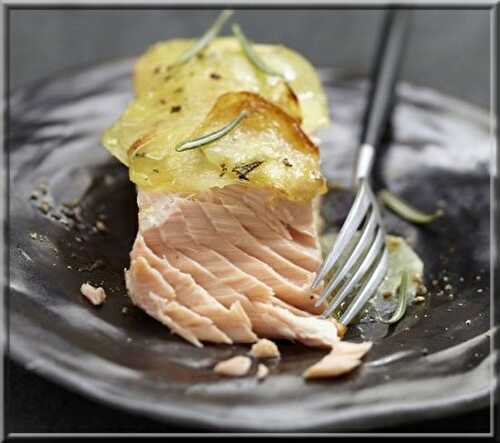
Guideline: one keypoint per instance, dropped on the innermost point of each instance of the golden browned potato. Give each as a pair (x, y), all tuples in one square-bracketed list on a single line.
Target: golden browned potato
[(267, 142), (266, 149), (177, 100), (175, 103)]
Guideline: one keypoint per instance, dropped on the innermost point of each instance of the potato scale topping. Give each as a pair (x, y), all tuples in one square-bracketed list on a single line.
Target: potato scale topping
[(177, 103)]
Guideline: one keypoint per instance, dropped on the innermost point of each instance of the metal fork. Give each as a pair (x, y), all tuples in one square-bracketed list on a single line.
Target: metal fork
[(367, 262)]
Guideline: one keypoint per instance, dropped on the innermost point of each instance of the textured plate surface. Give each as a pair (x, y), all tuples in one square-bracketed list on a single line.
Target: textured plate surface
[(436, 361)]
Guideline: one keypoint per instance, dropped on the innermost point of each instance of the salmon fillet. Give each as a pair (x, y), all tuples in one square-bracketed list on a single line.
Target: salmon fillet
[(229, 265), (221, 256)]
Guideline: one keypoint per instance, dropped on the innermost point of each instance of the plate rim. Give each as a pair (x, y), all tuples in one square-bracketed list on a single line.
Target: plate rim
[(57, 372), (417, 412)]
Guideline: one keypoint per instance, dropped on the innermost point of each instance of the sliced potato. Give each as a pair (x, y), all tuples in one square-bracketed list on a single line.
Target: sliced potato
[(173, 104), (268, 139), (266, 149), (224, 57)]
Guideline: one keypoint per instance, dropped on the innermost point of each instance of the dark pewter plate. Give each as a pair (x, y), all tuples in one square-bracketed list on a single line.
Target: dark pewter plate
[(437, 361)]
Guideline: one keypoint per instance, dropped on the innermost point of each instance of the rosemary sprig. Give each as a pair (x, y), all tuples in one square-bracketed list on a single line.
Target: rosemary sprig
[(406, 211), (209, 138), (251, 54), (205, 39), (403, 300)]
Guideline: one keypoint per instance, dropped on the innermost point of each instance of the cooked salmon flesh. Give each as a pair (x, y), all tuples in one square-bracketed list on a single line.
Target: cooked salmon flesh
[(229, 265)]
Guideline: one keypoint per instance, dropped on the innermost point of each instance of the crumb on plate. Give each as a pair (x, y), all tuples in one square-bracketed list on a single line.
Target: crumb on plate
[(96, 296), (264, 348), (234, 367), (262, 372)]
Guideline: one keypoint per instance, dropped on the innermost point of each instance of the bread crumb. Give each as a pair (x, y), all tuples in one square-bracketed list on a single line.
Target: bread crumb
[(234, 367), (264, 348), (96, 296)]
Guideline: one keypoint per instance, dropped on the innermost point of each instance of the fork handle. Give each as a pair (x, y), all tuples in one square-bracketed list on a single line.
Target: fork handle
[(382, 89)]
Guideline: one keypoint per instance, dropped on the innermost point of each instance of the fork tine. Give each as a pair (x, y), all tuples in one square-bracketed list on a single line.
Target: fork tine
[(362, 244), (354, 218), (370, 287), (370, 257)]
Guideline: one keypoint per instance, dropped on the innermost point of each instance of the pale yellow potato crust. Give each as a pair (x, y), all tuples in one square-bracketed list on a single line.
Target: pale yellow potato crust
[(175, 103)]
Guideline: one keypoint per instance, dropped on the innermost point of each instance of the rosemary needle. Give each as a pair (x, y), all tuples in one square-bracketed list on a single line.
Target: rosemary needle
[(243, 170), (403, 300), (205, 39), (404, 210), (209, 138), (251, 54)]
